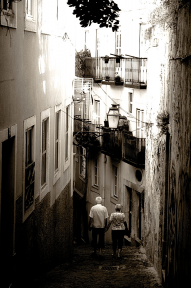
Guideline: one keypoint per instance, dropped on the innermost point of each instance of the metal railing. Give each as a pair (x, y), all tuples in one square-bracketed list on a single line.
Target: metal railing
[(131, 70), (133, 149), (135, 70), (112, 143)]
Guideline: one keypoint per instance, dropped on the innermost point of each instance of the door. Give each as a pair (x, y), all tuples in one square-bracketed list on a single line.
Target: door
[(139, 216), (7, 211), (129, 207)]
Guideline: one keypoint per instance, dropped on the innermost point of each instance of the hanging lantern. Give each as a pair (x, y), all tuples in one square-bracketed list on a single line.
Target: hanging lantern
[(106, 59), (113, 116), (117, 60)]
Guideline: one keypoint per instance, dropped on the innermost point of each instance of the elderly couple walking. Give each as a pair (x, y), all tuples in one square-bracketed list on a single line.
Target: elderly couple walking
[(98, 224)]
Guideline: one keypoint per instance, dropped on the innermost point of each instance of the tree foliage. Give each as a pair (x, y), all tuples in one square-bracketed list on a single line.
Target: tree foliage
[(167, 13), (80, 65), (102, 12)]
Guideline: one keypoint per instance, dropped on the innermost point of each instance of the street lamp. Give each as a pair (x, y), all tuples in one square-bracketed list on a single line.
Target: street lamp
[(113, 116)]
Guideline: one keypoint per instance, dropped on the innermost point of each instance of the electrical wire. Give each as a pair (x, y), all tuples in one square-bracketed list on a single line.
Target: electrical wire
[(129, 115)]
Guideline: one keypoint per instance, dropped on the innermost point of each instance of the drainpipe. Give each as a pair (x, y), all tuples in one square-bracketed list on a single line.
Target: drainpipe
[(139, 49), (104, 177), (71, 149)]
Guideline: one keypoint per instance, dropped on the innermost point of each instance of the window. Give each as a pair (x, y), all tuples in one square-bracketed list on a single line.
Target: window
[(83, 162), (57, 143), (8, 16), (140, 126), (66, 133), (96, 173), (118, 42), (97, 43), (29, 8), (97, 112), (56, 140), (87, 39), (130, 102), (118, 47), (31, 15), (115, 191), (7, 4), (29, 166), (45, 152)]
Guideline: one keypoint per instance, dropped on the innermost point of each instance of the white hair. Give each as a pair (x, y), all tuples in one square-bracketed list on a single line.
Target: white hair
[(98, 200)]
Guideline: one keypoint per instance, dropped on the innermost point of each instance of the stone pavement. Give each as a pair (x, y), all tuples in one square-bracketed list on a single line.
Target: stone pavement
[(133, 270)]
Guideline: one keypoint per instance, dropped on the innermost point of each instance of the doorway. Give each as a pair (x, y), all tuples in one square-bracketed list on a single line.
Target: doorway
[(129, 207), (7, 210)]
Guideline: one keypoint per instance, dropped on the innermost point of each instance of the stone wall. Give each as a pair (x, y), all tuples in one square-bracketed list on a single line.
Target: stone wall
[(179, 196), (168, 160), (45, 239)]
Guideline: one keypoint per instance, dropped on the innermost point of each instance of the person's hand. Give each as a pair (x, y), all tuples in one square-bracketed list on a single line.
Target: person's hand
[(105, 229), (89, 228)]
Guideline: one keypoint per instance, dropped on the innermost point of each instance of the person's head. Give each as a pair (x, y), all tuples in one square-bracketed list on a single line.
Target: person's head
[(98, 200), (118, 207)]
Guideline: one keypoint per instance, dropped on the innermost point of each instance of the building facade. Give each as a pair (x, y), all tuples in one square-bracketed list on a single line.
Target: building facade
[(115, 163), (36, 156)]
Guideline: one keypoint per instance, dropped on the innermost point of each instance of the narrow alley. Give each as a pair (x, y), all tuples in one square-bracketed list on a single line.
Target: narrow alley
[(132, 270)]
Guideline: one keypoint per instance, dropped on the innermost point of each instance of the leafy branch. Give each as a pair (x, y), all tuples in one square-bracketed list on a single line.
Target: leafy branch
[(80, 65), (102, 12)]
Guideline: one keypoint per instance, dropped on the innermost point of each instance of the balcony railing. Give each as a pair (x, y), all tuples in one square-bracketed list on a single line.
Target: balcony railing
[(133, 150), (115, 143), (136, 71), (87, 135), (133, 71), (112, 143)]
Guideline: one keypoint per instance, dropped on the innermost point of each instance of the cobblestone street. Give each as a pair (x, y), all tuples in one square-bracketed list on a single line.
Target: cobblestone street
[(133, 270)]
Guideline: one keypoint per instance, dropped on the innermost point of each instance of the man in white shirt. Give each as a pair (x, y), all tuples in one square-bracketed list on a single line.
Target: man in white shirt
[(98, 222)]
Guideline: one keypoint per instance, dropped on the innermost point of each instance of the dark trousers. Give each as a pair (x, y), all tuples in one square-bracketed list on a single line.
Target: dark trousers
[(95, 233), (117, 239)]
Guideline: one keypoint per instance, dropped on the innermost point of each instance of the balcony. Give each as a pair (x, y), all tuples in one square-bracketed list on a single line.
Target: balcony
[(87, 134), (132, 72), (133, 150), (116, 143), (112, 143)]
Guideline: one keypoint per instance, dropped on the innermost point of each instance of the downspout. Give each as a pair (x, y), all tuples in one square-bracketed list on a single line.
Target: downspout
[(104, 178), (71, 149)]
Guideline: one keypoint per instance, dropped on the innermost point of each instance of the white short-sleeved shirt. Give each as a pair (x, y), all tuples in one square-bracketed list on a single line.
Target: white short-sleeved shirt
[(117, 221), (99, 214)]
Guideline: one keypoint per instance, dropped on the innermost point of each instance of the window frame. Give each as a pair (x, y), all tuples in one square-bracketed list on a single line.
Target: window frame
[(29, 124), (118, 41), (97, 112), (8, 17), (96, 169), (44, 189), (115, 183), (31, 19), (67, 134), (130, 102), (67, 161), (57, 171)]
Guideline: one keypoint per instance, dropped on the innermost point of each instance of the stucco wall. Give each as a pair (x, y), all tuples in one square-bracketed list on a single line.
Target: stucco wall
[(45, 239), (36, 73), (126, 178)]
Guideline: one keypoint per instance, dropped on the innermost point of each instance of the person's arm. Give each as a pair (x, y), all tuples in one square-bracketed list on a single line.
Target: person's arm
[(105, 222), (109, 224), (90, 224)]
